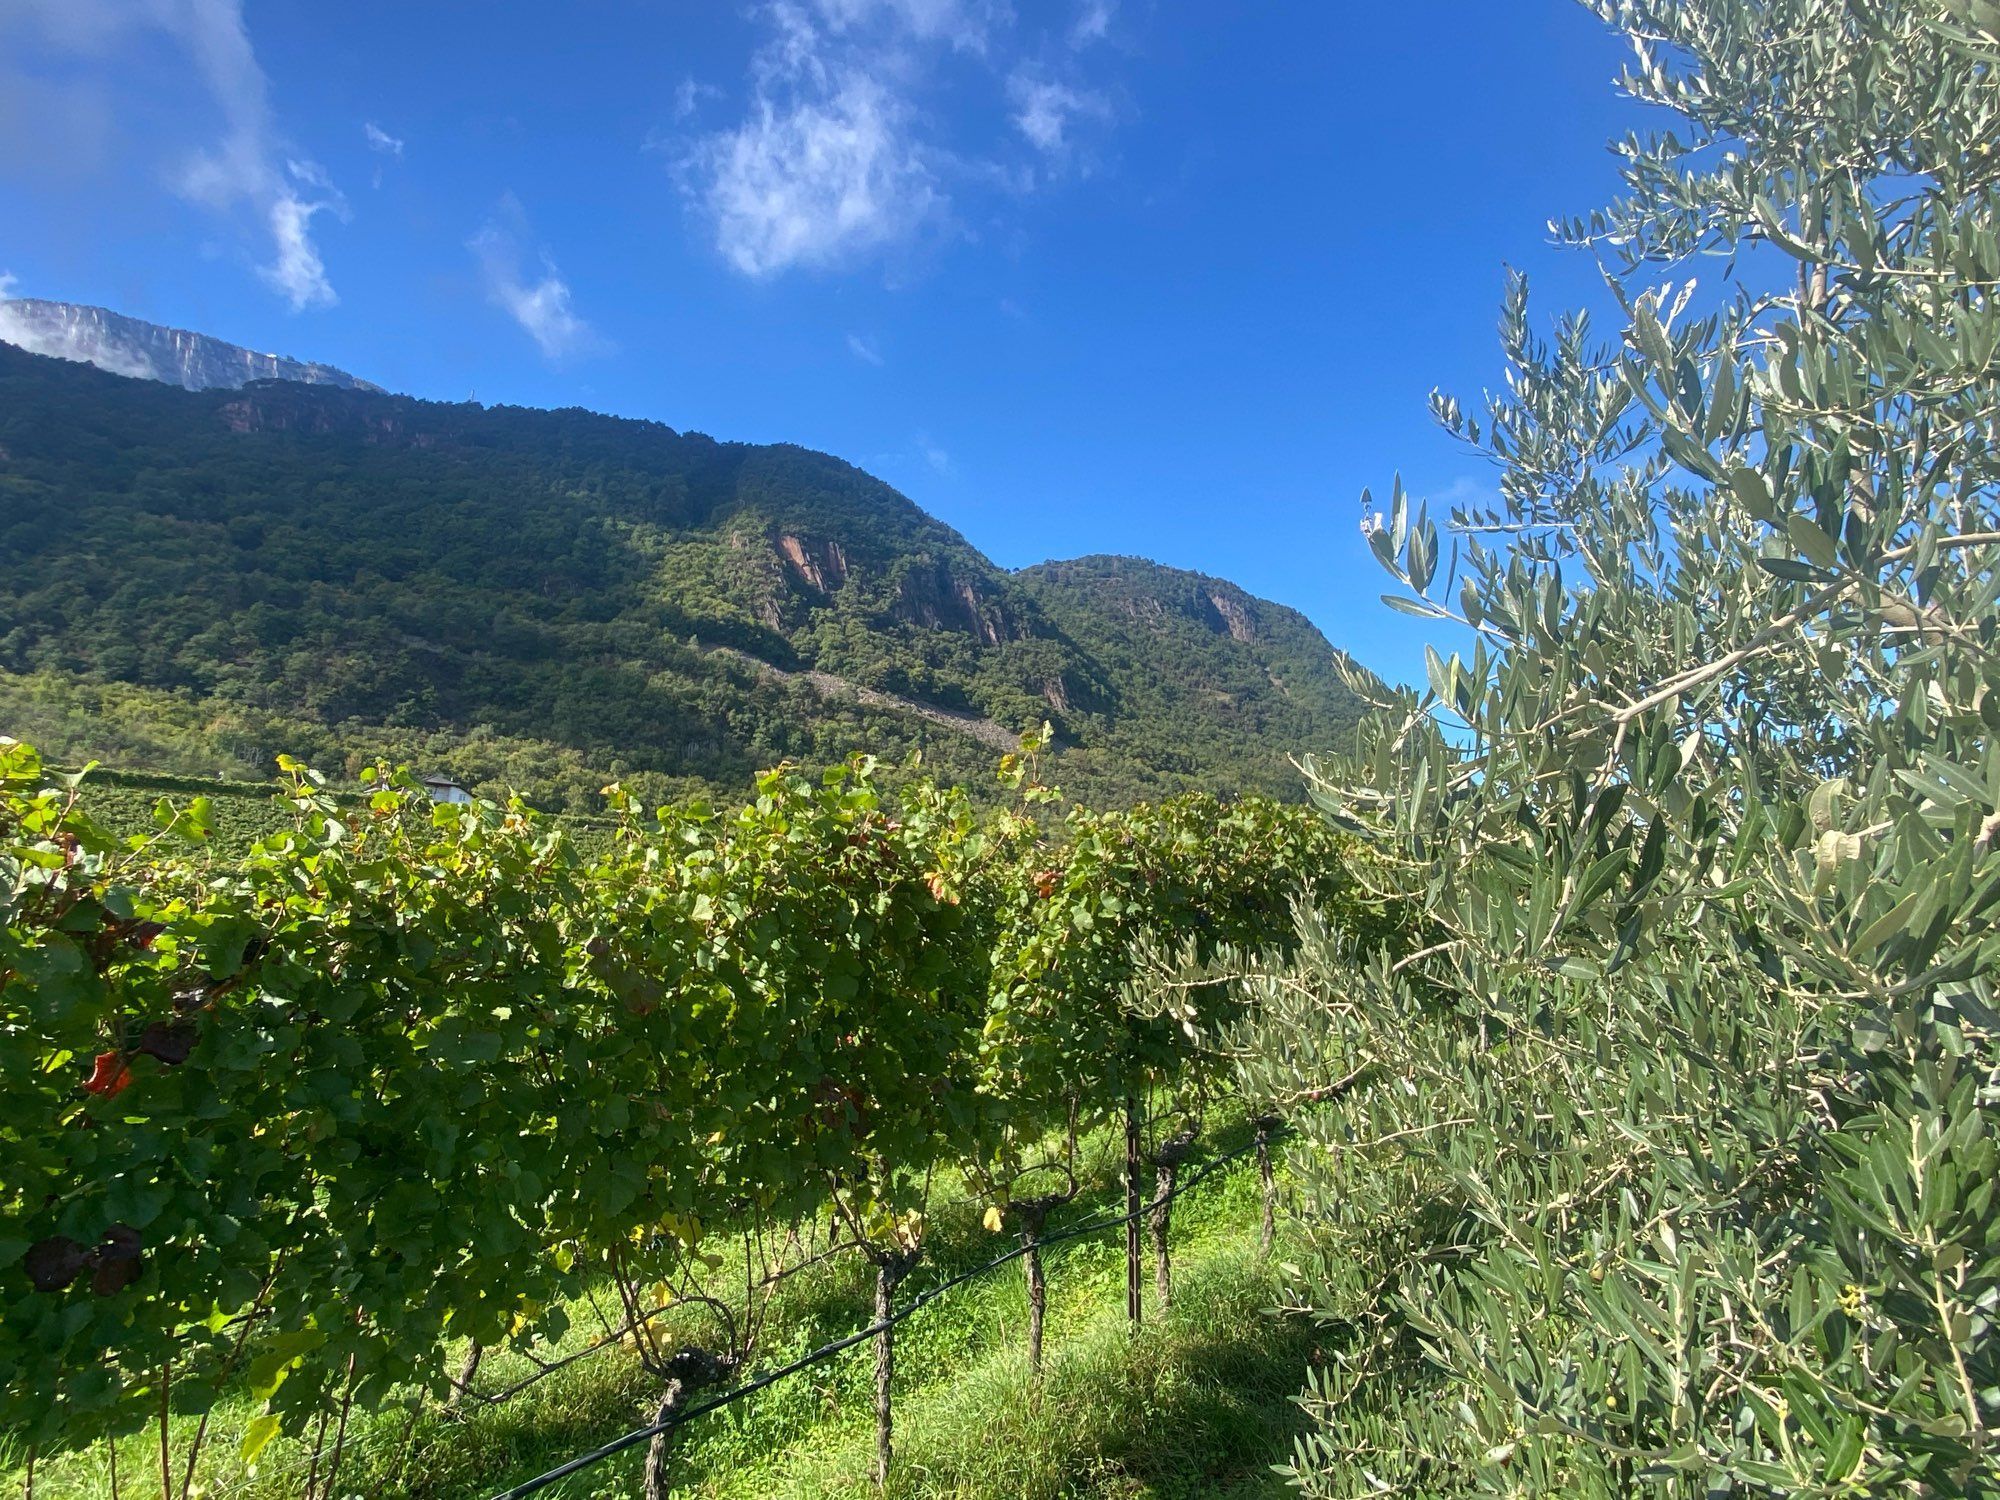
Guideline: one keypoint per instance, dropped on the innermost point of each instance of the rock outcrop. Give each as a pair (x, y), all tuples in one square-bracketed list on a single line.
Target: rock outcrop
[(147, 351)]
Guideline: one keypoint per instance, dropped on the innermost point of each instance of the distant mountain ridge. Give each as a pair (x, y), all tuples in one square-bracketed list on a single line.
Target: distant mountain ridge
[(147, 351), (550, 600)]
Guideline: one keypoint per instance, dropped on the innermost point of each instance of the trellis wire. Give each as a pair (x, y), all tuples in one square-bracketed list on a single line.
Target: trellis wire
[(826, 1351)]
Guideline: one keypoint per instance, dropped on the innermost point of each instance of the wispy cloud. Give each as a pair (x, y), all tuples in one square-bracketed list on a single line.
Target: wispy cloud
[(1093, 23), (310, 174), (539, 303), (936, 457), (246, 168), (689, 96), (384, 145), (1046, 109), (839, 158), (297, 270), (242, 168), (864, 349), (965, 24)]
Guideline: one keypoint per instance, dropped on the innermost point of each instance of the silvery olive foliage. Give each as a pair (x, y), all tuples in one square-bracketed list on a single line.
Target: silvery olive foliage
[(1666, 1163)]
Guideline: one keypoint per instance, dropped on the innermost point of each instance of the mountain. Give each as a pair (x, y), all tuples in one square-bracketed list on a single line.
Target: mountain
[(198, 581), (127, 346), (1224, 667)]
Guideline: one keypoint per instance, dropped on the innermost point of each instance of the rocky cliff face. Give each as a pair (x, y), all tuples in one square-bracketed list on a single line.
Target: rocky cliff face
[(820, 565), (929, 595), (128, 346), (276, 408), (1233, 613)]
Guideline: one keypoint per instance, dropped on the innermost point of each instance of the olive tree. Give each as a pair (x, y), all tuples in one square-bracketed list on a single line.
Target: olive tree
[(1670, 1163)]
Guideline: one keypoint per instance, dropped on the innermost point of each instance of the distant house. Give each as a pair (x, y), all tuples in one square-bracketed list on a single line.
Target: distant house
[(444, 789)]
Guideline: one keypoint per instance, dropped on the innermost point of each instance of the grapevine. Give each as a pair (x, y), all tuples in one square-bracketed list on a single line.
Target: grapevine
[(412, 1073)]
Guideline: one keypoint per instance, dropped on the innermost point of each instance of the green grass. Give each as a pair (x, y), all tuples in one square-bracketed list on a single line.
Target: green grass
[(1198, 1404)]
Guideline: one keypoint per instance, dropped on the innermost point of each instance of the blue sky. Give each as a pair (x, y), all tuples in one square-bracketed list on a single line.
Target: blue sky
[(1166, 277)]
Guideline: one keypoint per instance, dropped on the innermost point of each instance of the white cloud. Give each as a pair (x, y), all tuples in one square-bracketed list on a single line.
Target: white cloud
[(1045, 109), (383, 144), (689, 96), (311, 174), (541, 306), (839, 158), (816, 181), (1093, 23), (864, 349), (242, 169), (965, 24), (936, 457), (297, 270)]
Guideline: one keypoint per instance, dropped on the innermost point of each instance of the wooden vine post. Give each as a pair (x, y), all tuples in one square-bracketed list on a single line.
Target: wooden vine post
[(885, 1370), (891, 1266)]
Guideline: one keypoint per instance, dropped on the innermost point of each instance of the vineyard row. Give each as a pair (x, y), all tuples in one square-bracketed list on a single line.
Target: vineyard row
[(407, 1073)]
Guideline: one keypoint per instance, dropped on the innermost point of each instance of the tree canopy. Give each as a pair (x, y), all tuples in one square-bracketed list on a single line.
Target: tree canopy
[(1669, 1163)]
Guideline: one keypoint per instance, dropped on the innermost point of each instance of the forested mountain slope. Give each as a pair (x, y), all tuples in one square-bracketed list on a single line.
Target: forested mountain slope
[(196, 581)]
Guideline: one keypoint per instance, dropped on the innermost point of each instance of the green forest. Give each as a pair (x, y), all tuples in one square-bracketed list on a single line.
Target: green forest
[(543, 602), (1588, 1087)]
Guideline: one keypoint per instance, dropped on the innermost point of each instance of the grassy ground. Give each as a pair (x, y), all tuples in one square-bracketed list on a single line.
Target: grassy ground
[(1199, 1404)]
